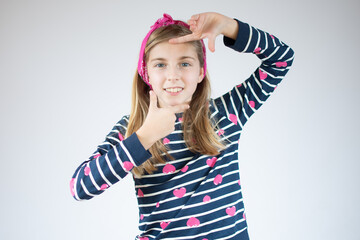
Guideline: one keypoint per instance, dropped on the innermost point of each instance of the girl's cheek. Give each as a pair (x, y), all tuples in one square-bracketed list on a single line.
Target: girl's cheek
[(191, 75), (156, 75)]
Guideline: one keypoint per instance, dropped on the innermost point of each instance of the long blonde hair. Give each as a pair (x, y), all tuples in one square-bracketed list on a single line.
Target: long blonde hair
[(198, 130)]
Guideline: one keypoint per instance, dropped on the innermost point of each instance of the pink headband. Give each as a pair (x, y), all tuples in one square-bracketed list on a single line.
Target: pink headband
[(164, 21)]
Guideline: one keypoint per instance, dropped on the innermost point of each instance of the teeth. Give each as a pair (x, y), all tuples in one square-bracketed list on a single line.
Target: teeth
[(173, 89)]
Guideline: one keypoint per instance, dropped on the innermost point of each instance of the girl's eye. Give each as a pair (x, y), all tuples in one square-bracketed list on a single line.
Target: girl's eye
[(185, 64), (160, 65)]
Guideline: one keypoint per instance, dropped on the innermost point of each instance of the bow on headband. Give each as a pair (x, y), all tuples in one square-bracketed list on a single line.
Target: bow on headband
[(167, 20), (161, 22)]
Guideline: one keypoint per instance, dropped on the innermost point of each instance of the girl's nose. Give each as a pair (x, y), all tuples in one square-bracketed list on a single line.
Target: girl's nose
[(173, 73)]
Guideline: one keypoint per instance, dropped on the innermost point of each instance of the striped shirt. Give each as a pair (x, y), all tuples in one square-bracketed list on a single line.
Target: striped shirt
[(194, 196)]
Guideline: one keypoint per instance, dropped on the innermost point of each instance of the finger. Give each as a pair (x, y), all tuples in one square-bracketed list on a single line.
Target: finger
[(197, 22), (211, 42), (192, 28), (153, 100), (195, 17), (191, 22), (186, 38), (179, 108), (200, 21)]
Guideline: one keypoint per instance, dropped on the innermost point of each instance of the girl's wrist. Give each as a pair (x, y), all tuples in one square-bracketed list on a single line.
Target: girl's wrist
[(231, 28), (145, 138)]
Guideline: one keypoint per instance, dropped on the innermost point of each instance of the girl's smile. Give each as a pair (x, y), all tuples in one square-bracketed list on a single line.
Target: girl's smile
[(174, 91), (174, 72)]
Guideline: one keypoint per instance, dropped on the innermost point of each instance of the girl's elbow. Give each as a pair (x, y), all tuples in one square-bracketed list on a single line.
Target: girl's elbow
[(77, 192), (291, 53)]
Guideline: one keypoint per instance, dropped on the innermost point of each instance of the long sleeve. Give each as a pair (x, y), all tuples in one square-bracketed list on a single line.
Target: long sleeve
[(112, 161), (276, 58)]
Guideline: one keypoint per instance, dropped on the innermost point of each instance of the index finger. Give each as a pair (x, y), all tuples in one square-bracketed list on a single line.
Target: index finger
[(186, 38)]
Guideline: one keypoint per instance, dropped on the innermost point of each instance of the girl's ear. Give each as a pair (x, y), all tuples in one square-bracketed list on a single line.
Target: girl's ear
[(201, 76)]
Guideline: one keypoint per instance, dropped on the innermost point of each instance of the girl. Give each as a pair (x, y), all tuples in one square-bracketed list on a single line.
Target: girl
[(179, 144)]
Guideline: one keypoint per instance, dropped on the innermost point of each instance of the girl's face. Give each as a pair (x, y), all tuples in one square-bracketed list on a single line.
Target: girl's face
[(174, 72)]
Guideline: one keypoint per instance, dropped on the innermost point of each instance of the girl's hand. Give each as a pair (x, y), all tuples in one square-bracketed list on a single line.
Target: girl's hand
[(209, 25), (159, 122)]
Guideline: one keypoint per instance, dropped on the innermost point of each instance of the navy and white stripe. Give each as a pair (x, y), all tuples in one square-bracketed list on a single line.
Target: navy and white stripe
[(194, 196)]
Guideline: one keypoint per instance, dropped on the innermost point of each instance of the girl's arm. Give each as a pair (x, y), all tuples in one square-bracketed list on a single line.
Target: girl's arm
[(276, 58), (111, 162)]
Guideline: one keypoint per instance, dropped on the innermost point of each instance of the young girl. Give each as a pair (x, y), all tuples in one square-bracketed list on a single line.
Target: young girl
[(180, 145)]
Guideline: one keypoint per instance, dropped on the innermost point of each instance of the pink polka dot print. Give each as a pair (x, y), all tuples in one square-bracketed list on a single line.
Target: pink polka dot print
[(86, 171), (193, 222)]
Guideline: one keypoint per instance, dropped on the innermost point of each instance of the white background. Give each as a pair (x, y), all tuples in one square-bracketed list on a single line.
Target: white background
[(66, 69)]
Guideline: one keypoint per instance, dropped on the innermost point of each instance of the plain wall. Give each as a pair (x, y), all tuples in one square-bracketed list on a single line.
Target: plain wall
[(66, 70)]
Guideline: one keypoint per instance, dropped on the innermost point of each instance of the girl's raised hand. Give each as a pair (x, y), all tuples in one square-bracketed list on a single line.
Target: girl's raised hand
[(159, 122), (209, 25)]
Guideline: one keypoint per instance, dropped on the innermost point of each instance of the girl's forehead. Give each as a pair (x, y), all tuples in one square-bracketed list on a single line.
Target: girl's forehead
[(165, 49)]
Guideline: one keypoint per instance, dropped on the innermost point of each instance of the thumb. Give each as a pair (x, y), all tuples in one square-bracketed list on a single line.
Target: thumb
[(211, 42), (153, 100)]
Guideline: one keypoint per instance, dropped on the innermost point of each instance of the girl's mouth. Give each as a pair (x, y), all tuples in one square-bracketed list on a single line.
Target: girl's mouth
[(174, 91)]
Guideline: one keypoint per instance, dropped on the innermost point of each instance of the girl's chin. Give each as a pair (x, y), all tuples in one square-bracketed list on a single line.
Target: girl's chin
[(172, 103)]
